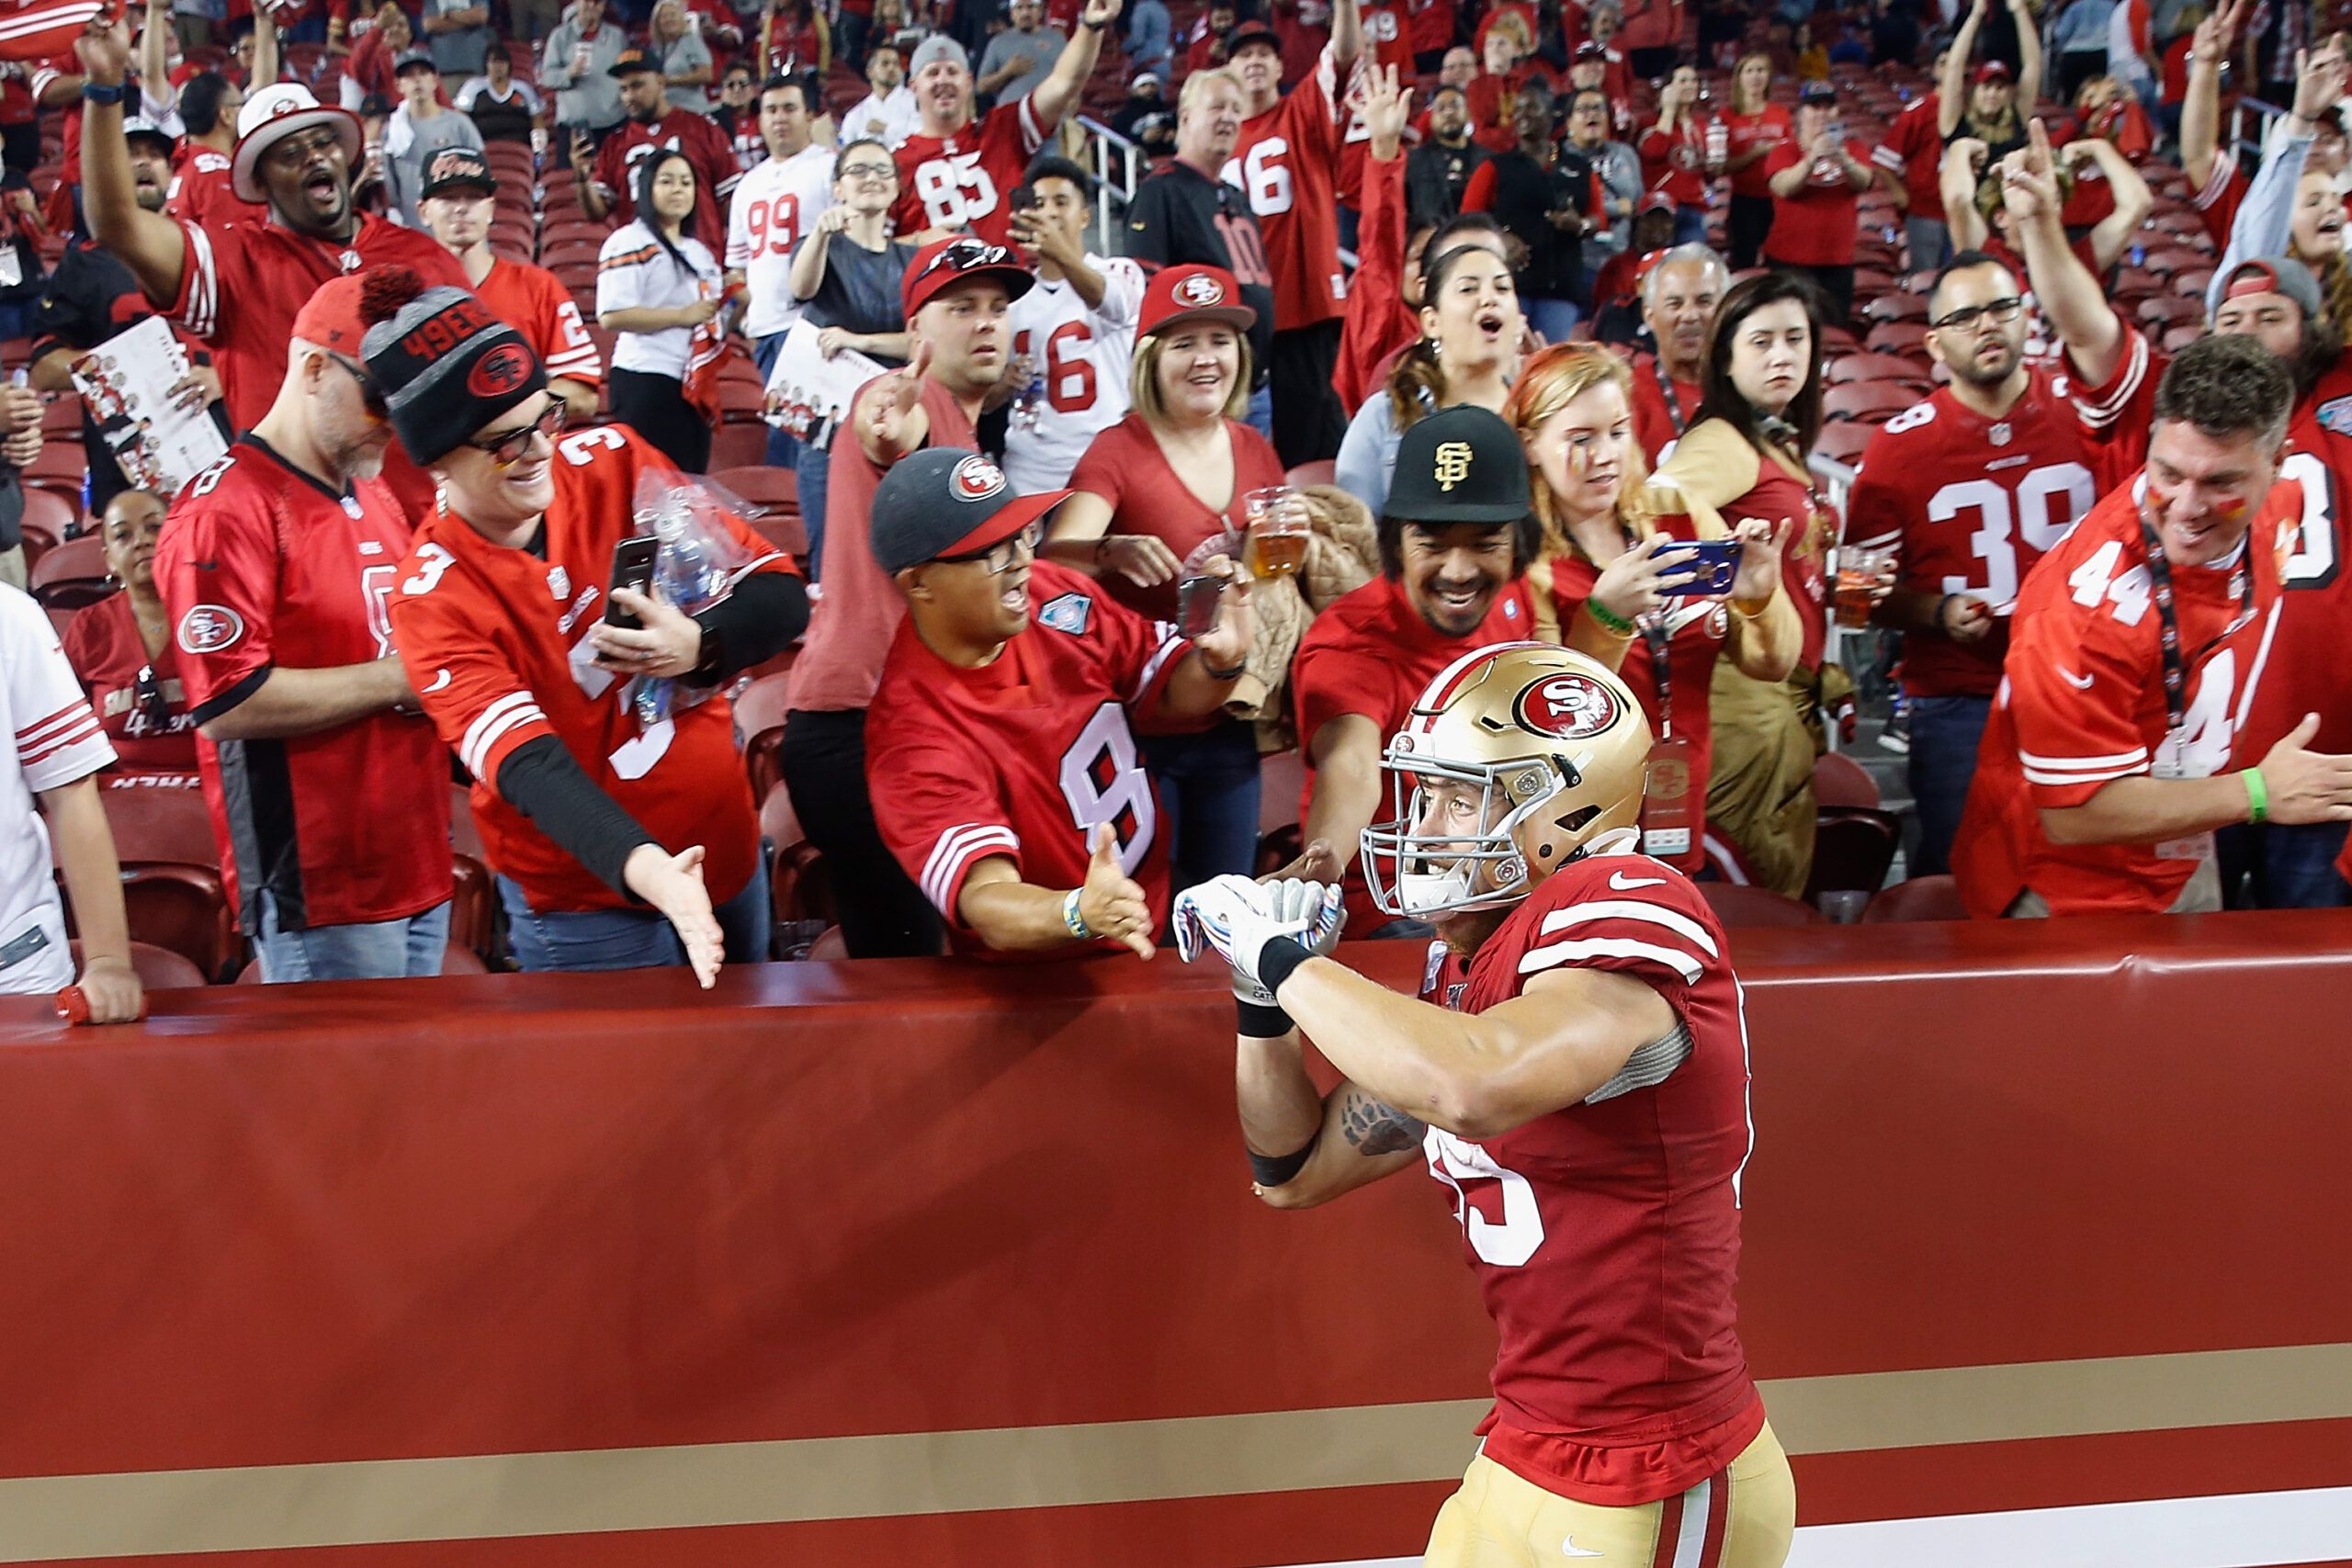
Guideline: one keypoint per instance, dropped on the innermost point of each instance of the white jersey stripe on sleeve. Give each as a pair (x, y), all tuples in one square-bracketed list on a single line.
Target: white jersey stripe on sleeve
[(1551, 955), (2063, 764), (201, 317), (2036, 775), (957, 849), (514, 708), (68, 728), (2099, 414), (1680, 924), (1169, 643)]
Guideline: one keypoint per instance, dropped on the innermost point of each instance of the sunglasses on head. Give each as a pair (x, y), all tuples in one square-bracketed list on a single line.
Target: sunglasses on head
[(964, 256)]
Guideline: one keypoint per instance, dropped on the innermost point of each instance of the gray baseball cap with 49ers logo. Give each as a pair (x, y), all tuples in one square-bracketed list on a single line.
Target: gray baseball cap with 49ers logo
[(944, 504)]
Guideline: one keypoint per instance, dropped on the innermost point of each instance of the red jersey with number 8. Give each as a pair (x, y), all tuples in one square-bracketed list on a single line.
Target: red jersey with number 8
[(1968, 505), (1024, 756), (1605, 1235), (496, 639), (966, 181)]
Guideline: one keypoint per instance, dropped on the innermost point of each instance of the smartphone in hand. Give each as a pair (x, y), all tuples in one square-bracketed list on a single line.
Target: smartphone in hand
[(632, 568), (1714, 570), (1200, 600)]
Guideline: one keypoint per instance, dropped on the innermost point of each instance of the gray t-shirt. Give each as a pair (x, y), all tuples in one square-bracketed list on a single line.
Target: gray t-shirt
[(405, 157), (678, 57), (859, 292), (458, 54), (1043, 46), (585, 94)]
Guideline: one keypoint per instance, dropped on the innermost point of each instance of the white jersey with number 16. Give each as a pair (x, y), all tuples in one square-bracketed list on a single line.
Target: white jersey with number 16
[(1078, 362)]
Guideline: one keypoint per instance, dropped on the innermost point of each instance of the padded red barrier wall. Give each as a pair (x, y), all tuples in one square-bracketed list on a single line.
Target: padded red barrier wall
[(2080, 1164)]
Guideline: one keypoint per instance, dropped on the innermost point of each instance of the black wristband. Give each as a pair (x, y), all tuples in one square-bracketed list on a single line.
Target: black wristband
[(1278, 958), (1272, 1170), (1259, 1023), (100, 93)]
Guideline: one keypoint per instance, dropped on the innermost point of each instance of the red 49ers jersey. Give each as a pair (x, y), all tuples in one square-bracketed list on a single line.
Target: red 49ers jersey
[(1286, 161), (1606, 1236), (200, 190), (2302, 669), (1025, 755), (2083, 704), (496, 639), (704, 145), (963, 181), (529, 300), (1969, 504), (262, 567)]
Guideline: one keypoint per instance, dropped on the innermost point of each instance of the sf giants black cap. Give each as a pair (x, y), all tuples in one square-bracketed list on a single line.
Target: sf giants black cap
[(944, 501), (1460, 464)]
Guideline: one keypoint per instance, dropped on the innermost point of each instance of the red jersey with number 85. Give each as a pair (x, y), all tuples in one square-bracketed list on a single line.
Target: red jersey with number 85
[(1024, 756), (497, 640), (1968, 505), (966, 181), (1605, 1235)]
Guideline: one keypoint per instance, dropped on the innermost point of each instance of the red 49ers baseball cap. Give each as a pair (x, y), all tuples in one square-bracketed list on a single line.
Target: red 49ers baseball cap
[(943, 502), (1182, 294)]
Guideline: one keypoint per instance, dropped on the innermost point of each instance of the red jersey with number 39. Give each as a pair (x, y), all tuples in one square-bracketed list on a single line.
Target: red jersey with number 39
[(1606, 1236), (1968, 504), (964, 180), (1024, 756), (497, 640), (1286, 161)]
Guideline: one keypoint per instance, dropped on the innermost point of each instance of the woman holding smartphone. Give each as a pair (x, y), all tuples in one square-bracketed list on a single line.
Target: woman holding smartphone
[(1618, 581)]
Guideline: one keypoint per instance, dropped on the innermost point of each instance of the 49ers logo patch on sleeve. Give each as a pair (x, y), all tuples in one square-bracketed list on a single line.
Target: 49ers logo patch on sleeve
[(208, 628), (1568, 706)]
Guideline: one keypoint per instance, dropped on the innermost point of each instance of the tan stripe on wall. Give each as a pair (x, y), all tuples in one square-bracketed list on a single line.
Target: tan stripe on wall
[(53, 1518)]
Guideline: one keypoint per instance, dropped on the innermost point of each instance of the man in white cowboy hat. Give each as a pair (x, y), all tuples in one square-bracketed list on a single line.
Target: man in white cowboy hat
[(238, 286)]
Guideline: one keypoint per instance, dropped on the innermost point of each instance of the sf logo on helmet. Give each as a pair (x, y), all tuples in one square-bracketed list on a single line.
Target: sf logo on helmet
[(1569, 708), (1199, 289), (976, 478)]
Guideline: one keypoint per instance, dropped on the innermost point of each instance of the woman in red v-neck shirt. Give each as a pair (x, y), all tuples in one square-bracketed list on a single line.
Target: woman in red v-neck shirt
[(1152, 492)]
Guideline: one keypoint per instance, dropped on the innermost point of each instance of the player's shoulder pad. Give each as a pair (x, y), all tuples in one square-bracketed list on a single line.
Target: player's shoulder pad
[(1629, 877)]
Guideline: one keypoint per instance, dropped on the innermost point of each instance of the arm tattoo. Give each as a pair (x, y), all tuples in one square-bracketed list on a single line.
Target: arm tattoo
[(1373, 1128)]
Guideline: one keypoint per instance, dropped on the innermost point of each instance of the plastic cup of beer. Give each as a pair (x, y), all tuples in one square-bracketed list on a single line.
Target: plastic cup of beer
[(1861, 575), (1278, 528)]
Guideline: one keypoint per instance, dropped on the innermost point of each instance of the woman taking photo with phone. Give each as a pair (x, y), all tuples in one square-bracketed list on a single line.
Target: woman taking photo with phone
[(1617, 580), (1155, 493), (660, 288), (1744, 458)]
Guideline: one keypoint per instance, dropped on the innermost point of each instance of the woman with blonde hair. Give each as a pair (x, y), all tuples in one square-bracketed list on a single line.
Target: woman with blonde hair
[(1753, 126), (676, 46), (1470, 328), (1611, 580)]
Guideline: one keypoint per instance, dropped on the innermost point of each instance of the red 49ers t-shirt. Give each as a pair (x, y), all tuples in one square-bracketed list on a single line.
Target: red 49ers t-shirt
[(261, 566), (529, 300), (963, 181), (1816, 226), (201, 193), (1024, 756)]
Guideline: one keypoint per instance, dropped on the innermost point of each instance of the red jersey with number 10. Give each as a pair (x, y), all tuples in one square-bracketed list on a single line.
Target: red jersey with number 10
[(1605, 1235), (1968, 505), (1286, 161), (966, 180), (1024, 756), (496, 639)]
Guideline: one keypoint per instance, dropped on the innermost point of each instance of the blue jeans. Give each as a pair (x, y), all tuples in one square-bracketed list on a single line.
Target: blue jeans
[(2292, 864), (1208, 799), (629, 939), (376, 950), (784, 452), (1944, 736), (1555, 319), (810, 466)]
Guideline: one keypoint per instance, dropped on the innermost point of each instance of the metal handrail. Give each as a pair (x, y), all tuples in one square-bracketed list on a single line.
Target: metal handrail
[(1104, 145)]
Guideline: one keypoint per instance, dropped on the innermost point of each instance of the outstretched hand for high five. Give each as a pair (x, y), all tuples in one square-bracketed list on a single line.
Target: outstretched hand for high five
[(1111, 902)]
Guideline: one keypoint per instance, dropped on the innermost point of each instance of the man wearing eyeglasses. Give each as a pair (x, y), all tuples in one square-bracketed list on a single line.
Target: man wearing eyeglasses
[(1967, 490), (330, 795), (621, 840), (1004, 771)]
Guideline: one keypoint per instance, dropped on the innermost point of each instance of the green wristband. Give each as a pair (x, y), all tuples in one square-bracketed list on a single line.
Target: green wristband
[(2257, 794), (1607, 619)]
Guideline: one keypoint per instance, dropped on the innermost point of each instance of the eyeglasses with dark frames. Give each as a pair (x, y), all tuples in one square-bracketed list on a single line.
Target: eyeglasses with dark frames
[(371, 396), (509, 447), (1008, 552), (2002, 312)]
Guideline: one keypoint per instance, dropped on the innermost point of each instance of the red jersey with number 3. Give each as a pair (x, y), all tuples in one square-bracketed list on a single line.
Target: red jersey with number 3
[(1286, 161), (2302, 670), (1023, 757), (497, 640), (1605, 1235), (262, 567), (2083, 704), (1968, 504), (964, 180)]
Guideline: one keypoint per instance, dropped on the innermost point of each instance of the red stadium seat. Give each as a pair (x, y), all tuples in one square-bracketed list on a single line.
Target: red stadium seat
[(1739, 906), (1866, 367), (1844, 440), (738, 443), (1322, 471), (1921, 898), (158, 968), (759, 731), (1896, 305), (73, 574), (1894, 337), (1852, 847), (2175, 339), (48, 517), (61, 467), (1838, 780), (2172, 311), (1873, 403), (798, 888)]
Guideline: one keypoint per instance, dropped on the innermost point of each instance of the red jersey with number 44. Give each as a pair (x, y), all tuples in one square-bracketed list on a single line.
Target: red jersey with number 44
[(262, 567), (496, 639), (1286, 161), (1605, 1235), (964, 180), (1025, 755), (1968, 504), (2082, 705)]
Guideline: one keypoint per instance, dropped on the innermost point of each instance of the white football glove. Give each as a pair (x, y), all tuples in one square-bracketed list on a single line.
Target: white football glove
[(1236, 918)]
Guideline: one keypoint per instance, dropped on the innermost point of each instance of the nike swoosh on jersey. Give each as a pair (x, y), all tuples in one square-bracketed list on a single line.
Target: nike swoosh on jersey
[(2080, 682), (1624, 884), (440, 678), (1569, 1548)]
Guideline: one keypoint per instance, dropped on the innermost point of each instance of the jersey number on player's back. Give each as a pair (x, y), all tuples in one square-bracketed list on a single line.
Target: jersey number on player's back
[(1262, 176), (1069, 383), (2050, 502), (1103, 782), (954, 190), (1507, 1242)]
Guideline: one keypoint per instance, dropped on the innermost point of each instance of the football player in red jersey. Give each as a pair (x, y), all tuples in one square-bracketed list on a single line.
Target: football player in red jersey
[(330, 795), (1967, 489), (1576, 1075), (954, 173), (1004, 773), (586, 804), (2114, 750), (1286, 161), (238, 285)]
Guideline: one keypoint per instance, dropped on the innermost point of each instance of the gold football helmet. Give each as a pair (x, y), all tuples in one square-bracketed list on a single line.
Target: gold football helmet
[(1515, 756)]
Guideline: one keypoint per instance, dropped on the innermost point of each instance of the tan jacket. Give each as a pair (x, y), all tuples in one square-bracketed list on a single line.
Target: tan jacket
[(1342, 553)]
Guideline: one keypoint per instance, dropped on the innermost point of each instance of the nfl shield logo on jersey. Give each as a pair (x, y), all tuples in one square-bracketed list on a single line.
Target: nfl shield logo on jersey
[(1068, 613), (2335, 416)]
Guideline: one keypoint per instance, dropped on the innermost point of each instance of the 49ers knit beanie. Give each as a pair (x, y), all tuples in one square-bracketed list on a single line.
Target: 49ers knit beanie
[(446, 367)]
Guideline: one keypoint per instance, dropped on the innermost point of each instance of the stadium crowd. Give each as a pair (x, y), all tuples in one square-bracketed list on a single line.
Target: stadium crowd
[(796, 496)]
